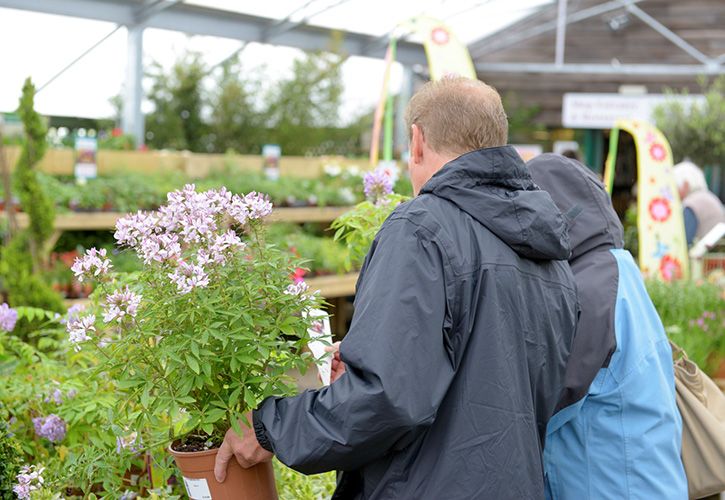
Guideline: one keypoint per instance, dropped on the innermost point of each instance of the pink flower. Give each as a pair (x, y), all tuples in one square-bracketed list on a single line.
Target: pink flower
[(222, 246), (159, 248), (187, 277), (670, 268), (121, 304), (252, 206), (93, 262), (299, 275), (132, 229), (79, 329), (299, 288)]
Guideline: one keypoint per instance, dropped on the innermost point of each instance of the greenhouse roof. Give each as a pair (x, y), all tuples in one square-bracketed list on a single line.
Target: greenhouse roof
[(304, 24)]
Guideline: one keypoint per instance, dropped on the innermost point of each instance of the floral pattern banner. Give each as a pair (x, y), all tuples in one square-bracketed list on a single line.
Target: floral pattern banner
[(662, 244)]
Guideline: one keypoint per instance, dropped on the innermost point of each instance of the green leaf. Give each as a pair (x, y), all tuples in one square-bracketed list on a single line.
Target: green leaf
[(234, 397), (214, 415), (193, 364), (250, 400)]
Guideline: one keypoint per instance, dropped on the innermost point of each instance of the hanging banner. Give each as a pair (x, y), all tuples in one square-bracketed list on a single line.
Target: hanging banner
[(378, 118), (660, 224), (446, 56), (445, 52)]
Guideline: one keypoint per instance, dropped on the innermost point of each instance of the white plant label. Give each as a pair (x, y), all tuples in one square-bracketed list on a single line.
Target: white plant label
[(321, 337), (197, 489)]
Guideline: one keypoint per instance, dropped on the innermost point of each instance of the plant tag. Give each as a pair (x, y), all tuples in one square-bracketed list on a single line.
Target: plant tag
[(197, 489), (320, 337)]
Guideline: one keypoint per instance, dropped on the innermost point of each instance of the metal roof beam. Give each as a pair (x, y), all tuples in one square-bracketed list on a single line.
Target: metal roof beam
[(665, 32), (213, 22), (602, 69), (499, 40)]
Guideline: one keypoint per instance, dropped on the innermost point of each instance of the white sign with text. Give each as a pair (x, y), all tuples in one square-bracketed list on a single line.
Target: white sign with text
[(197, 489), (601, 111)]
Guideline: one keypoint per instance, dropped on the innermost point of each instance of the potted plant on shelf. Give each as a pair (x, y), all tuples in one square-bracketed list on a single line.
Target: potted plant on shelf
[(207, 329)]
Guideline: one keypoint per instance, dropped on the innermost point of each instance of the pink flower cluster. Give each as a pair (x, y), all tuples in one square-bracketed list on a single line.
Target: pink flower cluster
[(186, 277), (93, 262), (250, 207), (79, 328), (73, 313), (187, 234), (51, 428), (120, 305), (299, 288), (8, 317), (30, 479)]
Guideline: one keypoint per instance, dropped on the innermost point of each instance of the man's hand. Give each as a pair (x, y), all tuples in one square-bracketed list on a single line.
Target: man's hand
[(338, 366), (245, 449)]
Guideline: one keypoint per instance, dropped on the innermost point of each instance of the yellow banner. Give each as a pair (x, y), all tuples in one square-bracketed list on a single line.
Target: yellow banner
[(446, 54), (660, 224)]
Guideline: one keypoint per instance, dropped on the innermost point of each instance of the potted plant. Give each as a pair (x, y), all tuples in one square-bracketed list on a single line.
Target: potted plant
[(202, 334)]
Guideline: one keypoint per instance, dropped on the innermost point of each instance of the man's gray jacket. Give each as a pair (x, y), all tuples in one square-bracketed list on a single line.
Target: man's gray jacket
[(464, 314)]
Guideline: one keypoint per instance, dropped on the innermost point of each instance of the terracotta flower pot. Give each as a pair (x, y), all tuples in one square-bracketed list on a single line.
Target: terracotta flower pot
[(197, 469)]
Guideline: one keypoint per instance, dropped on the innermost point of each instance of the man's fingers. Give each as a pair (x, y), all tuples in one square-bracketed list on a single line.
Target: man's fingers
[(222, 459), (333, 348), (242, 461)]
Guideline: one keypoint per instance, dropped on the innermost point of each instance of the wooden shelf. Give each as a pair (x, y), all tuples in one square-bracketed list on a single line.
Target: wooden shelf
[(334, 286), (307, 214), (97, 221)]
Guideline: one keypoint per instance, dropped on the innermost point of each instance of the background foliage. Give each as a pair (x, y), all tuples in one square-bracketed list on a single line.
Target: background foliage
[(697, 132)]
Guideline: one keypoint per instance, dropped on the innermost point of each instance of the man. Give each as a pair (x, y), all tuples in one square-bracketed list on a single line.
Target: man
[(617, 431), (464, 314), (702, 209)]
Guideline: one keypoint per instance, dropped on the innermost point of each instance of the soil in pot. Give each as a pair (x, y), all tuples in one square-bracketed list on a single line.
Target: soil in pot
[(197, 470)]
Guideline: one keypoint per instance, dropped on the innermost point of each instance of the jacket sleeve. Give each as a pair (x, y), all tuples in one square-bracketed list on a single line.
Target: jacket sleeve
[(398, 359)]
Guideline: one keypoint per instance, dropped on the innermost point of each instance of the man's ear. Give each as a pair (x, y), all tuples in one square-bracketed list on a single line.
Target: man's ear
[(416, 144)]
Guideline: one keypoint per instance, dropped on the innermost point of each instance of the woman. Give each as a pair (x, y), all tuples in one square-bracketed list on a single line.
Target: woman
[(616, 433)]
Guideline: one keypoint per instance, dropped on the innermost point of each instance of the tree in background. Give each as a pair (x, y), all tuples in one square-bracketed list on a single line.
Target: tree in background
[(301, 106), (200, 112), (34, 201), (522, 119), (696, 132), (24, 255), (178, 100), (236, 123)]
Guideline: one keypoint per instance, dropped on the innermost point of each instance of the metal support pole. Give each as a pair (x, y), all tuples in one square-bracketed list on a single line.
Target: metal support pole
[(560, 33), (132, 121), (666, 32), (401, 131)]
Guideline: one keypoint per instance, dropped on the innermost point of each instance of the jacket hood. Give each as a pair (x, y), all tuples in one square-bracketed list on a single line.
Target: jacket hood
[(576, 190), (494, 187)]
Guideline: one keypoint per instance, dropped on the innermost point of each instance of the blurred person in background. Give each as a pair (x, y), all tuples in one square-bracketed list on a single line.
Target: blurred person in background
[(617, 432), (702, 209), (465, 310)]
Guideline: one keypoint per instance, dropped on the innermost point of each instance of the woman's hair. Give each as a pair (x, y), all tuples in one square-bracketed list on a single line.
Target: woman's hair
[(687, 171)]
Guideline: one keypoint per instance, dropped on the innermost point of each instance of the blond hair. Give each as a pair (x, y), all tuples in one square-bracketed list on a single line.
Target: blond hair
[(458, 115)]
